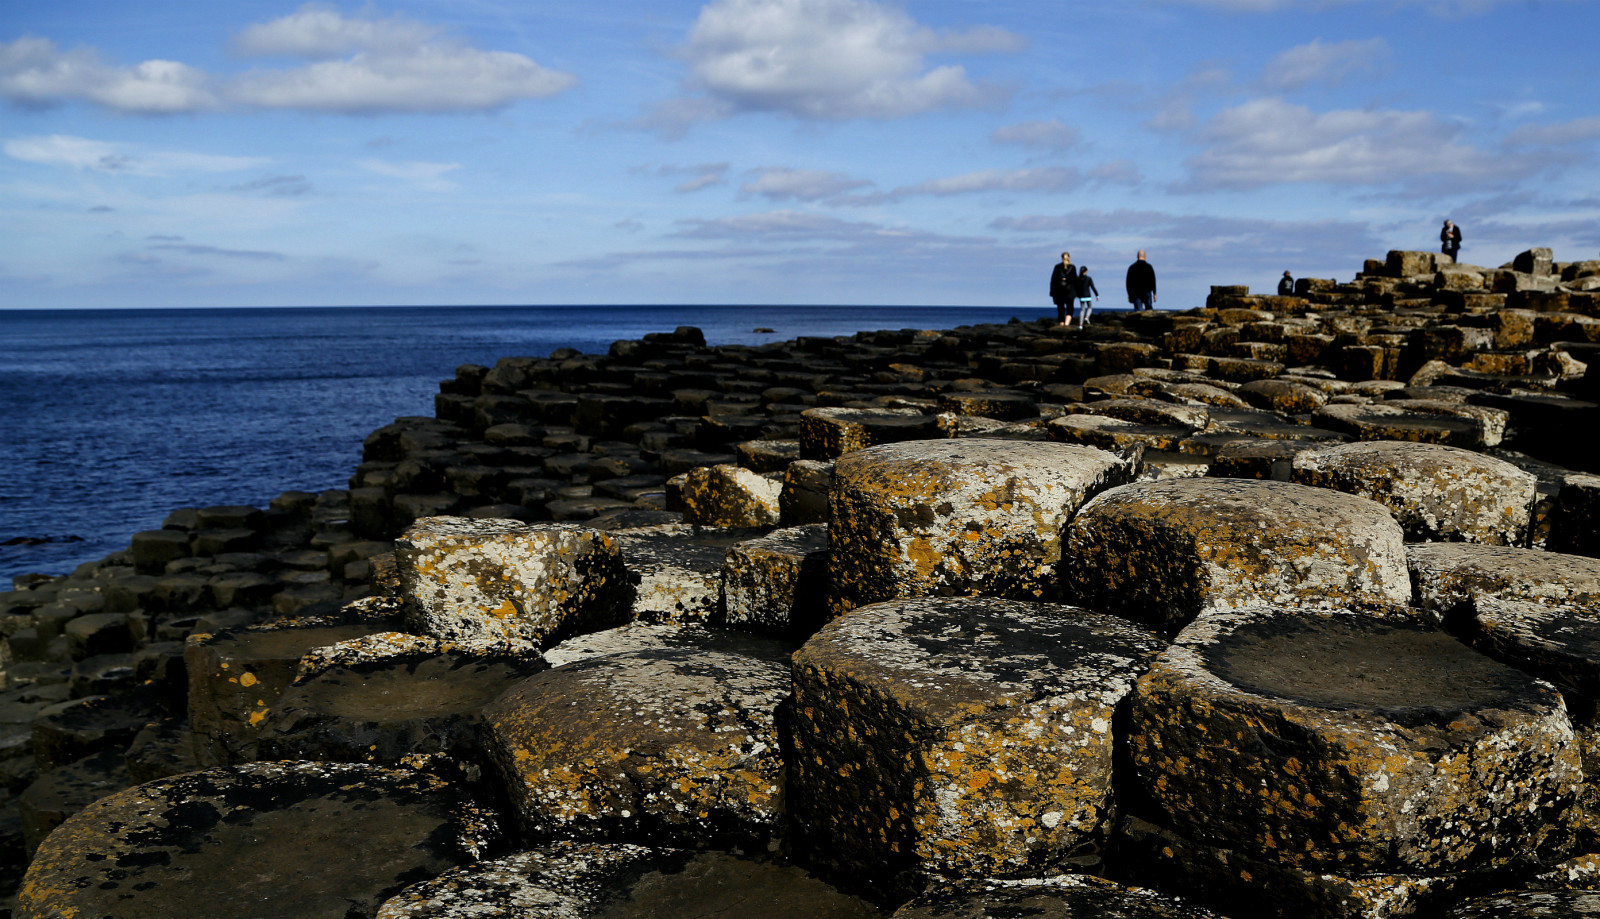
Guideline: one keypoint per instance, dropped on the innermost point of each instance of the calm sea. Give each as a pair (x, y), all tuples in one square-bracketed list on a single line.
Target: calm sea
[(110, 419)]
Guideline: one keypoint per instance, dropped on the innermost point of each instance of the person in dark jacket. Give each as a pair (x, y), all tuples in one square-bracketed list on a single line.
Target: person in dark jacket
[(1286, 286), (1142, 284), (1064, 288), (1087, 294), (1450, 240)]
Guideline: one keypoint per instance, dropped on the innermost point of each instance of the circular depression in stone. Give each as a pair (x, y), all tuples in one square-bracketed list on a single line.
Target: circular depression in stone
[(1397, 669)]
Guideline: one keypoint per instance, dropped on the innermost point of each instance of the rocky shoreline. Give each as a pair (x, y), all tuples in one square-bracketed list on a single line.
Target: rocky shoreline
[(1285, 606)]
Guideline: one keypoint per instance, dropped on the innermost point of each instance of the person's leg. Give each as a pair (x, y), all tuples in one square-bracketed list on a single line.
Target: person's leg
[(1061, 312), (1083, 314)]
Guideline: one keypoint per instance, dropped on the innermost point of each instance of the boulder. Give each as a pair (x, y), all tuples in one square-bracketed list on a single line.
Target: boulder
[(1162, 553), (668, 742), (352, 836), (1437, 493), (962, 737), (1349, 743), (960, 517), (503, 579)]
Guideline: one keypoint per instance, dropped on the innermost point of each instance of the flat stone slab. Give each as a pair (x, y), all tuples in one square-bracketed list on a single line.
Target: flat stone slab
[(1115, 434), (1164, 552), (1351, 743), (957, 517), (1449, 575), (266, 840), (620, 881), (1388, 422), (1438, 493), (503, 579), (957, 736), (668, 742), (392, 697), (1069, 896)]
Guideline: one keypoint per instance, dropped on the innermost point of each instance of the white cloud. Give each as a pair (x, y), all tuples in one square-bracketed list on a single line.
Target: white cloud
[(1331, 63), (1268, 141), (34, 72), (124, 159), (1050, 135), (828, 59), (700, 176), (800, 184), (1570, 132), (426, 176), (1047, 178), (435, 78), (319, 32)]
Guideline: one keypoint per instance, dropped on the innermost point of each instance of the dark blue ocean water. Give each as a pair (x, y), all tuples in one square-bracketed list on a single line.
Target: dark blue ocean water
[(110, 419)]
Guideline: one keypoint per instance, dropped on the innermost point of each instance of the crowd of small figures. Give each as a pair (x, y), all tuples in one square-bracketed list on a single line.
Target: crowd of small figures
[(1283, 606)]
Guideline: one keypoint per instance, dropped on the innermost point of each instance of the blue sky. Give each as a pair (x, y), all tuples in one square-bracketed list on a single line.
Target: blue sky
[(257, 153)]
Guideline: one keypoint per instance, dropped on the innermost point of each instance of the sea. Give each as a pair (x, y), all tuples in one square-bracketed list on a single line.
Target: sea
[(111, 419)]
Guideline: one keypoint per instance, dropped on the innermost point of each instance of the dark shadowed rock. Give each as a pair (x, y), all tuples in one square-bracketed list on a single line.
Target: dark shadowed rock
[(1061, 897)]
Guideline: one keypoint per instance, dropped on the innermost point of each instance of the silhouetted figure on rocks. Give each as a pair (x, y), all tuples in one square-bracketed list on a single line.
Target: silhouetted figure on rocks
[(1450, 240), (1064, 289), (1142, 284), (1087, 294), (1286, 285)]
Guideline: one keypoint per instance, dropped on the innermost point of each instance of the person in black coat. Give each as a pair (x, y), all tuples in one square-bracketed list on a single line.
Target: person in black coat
[(1087, 294), (1142, 284), (1064, 288), (1286, 286), (1450, 240)]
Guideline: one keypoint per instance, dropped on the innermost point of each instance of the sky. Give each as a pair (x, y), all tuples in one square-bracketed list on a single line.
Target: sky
[(168, 153)]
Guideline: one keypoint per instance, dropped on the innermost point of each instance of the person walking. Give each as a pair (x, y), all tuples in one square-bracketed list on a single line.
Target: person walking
[(1087, 294), (1286, 285), (1142, 284), (1064, 289), (1450, 240)]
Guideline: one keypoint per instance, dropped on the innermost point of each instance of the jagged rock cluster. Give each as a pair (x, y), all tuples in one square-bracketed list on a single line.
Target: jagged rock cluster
[(1283, 606)]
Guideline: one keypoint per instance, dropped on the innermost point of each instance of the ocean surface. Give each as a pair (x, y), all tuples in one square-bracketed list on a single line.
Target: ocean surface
[(111, 419)]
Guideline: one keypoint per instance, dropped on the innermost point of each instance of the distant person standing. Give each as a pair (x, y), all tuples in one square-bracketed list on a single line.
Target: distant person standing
[(1064, 289), (1142, 284), (1286, 285), (1450, 240), (1087, 294)]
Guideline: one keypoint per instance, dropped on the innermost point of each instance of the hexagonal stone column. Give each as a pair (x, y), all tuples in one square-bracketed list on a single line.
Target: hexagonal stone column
[(956, 736), (488, 579), (264, 841), (828, 433), (1349, 743), (1437, 493), (672, 741), (961, 517), (1449, 575), (778, 583), (730, 496), (1165, 552), (621, 880)]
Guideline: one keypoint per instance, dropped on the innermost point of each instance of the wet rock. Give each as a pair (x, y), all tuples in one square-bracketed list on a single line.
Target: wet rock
[(1162, 553), (957, 736), (353, 835), (778, 583), (730, 496), (1437, 493), (1448, 575), (1394, 748), (685, 750), (625, 882), (959, 517), (385, 697), (1060, 897), (502, 579)]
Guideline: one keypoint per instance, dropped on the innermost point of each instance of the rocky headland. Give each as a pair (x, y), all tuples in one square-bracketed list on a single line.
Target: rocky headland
[(1283, 606)]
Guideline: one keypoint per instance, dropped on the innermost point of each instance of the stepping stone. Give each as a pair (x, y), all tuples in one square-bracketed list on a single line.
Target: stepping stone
[(1068, 896), (1250, 422), (390, 698), (667, 743), (1258, 459), (1162, 553), (828, 433), (1145, 411), (730, 496), (767, 455), (957, 737), (1114, 435), (1000, 404), (676, 571), (1350, 743), (351, 837), (1437, 493), (1491, 421), (494, 579), (620, 880), (957, 518), (778, 583), (1449, 575), (1286, 396), (236, 675), (1386, 422)]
